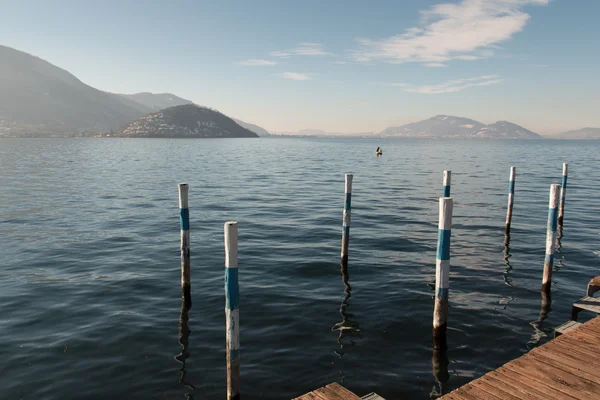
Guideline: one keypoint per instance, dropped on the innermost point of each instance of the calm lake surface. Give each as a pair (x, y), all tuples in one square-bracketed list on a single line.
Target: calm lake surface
[(90, 296)]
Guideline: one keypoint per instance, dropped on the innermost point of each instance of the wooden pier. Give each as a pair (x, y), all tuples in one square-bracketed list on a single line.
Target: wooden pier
[(333, 391), (567, 367)]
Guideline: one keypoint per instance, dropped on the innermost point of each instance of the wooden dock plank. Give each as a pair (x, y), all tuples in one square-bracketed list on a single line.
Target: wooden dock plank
[(566, 327), (588, 303), (527, 384), (567, 367), (593, 286), (333, 391), (593, 328), (579, 351), (519, 391), (494, 391), (576, 366), (475, 392), (309, 396), (552, 377)]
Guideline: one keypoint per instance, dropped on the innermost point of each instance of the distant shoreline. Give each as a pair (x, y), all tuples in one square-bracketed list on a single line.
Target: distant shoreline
[(294, 137)]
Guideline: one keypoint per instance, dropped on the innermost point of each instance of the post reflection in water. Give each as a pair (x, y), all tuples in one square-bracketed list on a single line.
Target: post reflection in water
[(184, 334), (349, 330), (538, 331), (559, 238), (439, 366), (507, 256)]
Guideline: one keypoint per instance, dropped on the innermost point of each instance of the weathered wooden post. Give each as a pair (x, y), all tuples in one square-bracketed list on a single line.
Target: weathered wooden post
[(347, 218), (511, 199), (232, 312), (563, 190), (442, 270), (550, 237), (446, 183), (184, 219)]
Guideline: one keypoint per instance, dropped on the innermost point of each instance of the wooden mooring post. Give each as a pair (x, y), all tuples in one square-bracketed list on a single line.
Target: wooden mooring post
[(511, 199), (442, 271), (550, 237), (232, 312), (346, 218), (184, 219), (563, 190)]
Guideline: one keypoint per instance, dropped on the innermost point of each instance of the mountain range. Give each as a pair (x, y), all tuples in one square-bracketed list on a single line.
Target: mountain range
[(40, 99), (447, 126)]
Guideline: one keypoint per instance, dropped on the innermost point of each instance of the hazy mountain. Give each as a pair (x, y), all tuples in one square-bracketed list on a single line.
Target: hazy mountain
[(38, 98), (446, 126), (156, 101), (583, 133), (262, 132), (507, 130), (185, 121), (438, 126)]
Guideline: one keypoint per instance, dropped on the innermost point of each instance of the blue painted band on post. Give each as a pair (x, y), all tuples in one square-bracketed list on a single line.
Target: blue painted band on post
[(443, 246), (553, 216), (442, 294), (348, 202), (232, 290), (549, 260), (184, 219), (511, 187), (446, 191), (346, 230), (234, 354), (564, 182)]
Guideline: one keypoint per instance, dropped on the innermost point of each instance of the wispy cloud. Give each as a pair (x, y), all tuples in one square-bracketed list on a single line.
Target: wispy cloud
[(303, 49), (435, 65), (296, 76), (257, 63), (467, 30), (455, 85)]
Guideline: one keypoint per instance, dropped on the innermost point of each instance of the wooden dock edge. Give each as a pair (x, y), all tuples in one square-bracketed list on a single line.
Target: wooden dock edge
[(565, 367)]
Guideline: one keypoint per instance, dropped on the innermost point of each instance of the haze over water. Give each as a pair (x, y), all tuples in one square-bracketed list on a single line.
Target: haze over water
[(90, 292)]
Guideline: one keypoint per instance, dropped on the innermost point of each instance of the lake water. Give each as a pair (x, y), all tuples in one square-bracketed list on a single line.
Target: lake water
[(90, 295)]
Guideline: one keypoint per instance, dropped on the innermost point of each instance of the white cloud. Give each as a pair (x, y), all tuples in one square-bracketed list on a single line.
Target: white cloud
[(257, 62), (340, 62), (455, 85), (303, 49), (466, 31), (435, 65), (295, 76)]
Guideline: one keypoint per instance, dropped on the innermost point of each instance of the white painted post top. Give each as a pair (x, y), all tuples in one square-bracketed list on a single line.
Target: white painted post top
[(446, 208), (554, 192), (183, 195), (231, 244), (447, 177), (349, 178)]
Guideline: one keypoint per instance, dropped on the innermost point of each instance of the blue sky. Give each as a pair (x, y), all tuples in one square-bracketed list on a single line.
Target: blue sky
[(343, 66)]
